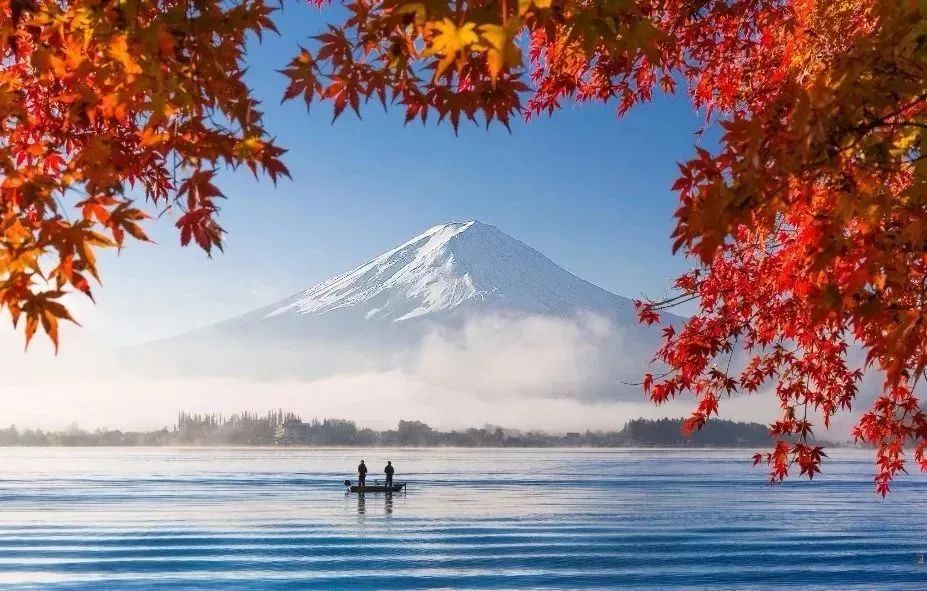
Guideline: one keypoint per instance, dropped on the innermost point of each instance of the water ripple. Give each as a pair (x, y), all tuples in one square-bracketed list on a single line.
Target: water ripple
[(108, 519)]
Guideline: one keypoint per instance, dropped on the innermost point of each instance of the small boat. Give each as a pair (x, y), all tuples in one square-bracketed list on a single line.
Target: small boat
[(374, 488)]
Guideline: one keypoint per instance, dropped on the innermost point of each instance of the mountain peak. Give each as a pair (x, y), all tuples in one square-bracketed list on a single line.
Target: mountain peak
[(447, 266), (454, 226), (443, 233)]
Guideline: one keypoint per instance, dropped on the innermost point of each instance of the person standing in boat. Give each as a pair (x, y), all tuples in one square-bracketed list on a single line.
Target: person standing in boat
[(361, 473), (389, 473)]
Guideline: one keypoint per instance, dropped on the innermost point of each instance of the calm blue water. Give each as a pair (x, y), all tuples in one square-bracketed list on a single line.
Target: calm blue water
[(484, 519)]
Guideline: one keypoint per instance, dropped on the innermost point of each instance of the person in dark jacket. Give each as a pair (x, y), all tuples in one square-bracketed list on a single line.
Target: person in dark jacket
[(361, 473), (389, 473)]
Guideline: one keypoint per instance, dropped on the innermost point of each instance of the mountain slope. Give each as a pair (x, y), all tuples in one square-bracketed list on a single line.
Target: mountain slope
[(452, 265)]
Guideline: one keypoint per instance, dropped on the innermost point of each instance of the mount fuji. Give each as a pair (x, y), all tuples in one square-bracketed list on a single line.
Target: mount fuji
[(389, 311), (449, 267)]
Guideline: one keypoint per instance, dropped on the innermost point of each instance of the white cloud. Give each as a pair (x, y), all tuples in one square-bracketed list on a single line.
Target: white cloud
[(522, 372), (497, 356)]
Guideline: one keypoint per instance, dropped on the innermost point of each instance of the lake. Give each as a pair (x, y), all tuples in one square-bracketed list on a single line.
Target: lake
[(142, 518)]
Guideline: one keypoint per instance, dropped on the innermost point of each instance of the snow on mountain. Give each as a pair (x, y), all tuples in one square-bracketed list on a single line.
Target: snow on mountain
[(449, 266)]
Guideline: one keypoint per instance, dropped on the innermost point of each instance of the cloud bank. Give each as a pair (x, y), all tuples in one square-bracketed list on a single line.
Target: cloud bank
[(527, 372)]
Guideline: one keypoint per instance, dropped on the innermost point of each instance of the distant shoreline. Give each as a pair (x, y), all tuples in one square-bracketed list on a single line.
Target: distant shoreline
[(277, 429), (826, 444)]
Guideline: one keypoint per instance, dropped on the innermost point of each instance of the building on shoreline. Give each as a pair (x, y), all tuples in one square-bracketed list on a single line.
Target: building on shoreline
[(293, 432)]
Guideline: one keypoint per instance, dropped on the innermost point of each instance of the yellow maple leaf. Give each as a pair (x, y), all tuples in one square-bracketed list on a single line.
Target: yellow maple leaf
[(119, 50), (525, 5), (150, 137), (417, 9), (498, 41), (451, 43)]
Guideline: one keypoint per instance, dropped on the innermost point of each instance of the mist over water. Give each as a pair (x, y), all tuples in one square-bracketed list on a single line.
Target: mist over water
[(480, 519), (522, 372)]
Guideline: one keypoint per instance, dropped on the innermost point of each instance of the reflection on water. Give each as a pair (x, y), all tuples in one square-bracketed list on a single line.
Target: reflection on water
[(241, 519), (386, 497)]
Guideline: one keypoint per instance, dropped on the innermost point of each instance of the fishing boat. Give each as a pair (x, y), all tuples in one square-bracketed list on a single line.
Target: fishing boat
[(374, 488)]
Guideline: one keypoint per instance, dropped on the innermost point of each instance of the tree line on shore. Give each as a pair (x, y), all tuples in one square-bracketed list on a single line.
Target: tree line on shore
[(286, 428)]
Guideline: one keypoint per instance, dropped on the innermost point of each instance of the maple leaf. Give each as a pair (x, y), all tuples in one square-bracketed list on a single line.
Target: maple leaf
[(119, 50), (303, 78), (499, 43), (451, 43), (524, 6)]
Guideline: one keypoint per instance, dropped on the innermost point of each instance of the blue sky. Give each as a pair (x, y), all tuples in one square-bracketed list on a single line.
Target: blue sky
[(590, 191)]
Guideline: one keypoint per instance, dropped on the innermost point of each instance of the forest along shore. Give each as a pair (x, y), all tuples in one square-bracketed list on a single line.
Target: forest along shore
[(283, 429)]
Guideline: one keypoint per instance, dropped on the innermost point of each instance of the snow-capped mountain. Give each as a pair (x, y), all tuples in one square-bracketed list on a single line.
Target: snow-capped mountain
[(457, 291), (469, 264)]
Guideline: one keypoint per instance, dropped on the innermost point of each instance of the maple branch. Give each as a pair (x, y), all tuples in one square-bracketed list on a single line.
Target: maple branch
[(674, 301)]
